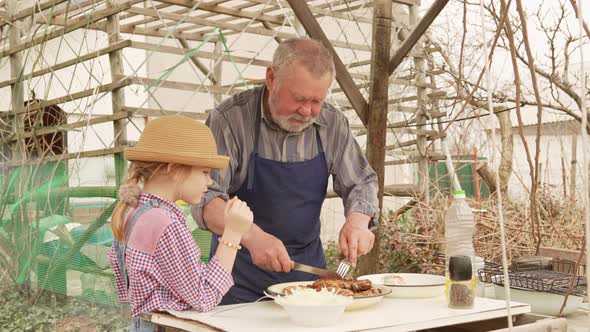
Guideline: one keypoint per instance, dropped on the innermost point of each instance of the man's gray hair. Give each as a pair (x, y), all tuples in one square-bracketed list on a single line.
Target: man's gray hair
[(314, 57)]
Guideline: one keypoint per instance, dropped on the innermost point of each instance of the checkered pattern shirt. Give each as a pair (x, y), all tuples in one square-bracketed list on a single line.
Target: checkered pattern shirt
[(172, 276)]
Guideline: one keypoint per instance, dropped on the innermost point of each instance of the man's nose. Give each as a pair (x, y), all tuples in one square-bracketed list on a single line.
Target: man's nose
[(305, 109)]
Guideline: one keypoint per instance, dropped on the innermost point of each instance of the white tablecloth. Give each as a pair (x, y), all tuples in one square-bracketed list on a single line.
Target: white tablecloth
[(389, 315)]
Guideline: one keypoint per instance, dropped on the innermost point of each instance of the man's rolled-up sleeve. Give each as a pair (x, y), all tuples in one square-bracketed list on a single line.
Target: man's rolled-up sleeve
[(355, 181)]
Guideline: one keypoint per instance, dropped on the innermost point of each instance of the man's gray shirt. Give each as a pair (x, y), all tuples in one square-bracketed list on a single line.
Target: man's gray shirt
[(233, 126)]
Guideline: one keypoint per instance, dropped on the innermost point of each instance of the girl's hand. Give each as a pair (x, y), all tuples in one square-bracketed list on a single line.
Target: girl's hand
[(238, 216)]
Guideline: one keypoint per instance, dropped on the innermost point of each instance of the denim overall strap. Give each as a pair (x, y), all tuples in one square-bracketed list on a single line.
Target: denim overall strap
[(122, 247)]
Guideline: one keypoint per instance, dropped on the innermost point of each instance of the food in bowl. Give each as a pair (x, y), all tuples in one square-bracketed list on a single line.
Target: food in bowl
[(309, 307), (394, 280), (344, 287)]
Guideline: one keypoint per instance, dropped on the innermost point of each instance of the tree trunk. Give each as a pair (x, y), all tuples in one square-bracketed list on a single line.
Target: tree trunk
[(507, 152)]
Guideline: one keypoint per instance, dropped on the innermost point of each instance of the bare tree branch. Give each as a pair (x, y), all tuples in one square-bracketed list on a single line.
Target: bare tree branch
[(525, 38), (575, 5)]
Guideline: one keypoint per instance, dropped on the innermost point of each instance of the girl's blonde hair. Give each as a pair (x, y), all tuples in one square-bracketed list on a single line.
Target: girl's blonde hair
[(139, 172)]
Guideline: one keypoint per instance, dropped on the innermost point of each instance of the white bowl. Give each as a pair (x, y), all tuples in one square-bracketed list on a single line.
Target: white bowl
[(314, 315), (307, 307), (415, 285), (542, 303)]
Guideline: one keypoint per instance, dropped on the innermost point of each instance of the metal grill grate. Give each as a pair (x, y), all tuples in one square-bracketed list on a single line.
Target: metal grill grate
[(528, 278)]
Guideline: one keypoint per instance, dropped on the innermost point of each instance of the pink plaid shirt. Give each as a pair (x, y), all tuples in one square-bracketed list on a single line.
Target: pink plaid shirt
[(164, 267)]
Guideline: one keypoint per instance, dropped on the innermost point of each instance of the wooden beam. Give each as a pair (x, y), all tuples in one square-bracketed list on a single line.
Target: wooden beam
[(72, 97), (69, 126), (198, 63), (402, 131), (116, 46), (236, 27), (428, 73), (318, 10), (408, 2), (201, 5), (62, 157), (185, 86), (416, 34), (162, 33), (37, 7), (200, 54), (160, 112), (313, 28), (409, 143), (399, 190), (208, 14), (75, 24)]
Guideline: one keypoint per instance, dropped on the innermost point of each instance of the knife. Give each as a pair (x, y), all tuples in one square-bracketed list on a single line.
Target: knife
[(316, 270)]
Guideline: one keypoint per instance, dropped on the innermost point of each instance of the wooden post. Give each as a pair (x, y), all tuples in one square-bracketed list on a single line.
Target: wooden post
[(421, 140), (18, 152), (573, 175), (378, 105), (17, 88), (117, 95), (218, 71), (476, 179)]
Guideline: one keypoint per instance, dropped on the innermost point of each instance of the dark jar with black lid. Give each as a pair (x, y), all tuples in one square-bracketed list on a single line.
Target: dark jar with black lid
[(460, 286)]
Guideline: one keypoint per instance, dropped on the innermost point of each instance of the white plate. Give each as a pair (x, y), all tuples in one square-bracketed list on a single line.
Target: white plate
[(416, 285), (359, 302)]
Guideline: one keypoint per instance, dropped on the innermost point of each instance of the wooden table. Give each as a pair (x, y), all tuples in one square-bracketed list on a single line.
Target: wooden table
[(389, 315)]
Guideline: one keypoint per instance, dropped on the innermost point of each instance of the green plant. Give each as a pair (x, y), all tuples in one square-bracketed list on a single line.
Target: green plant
[(52, 313)]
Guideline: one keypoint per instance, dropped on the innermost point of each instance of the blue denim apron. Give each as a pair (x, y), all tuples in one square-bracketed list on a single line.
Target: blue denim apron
[(286, 199), (137, 324)]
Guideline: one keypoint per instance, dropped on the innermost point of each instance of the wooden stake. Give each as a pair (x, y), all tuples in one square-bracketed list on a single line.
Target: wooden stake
[(574, 166), (118, 94), (377, 121)]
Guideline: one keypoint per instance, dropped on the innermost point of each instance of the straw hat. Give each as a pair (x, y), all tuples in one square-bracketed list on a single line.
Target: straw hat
[(177, 139)]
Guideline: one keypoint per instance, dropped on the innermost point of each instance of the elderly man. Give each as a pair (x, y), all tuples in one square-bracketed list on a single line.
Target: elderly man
[(284, 142)]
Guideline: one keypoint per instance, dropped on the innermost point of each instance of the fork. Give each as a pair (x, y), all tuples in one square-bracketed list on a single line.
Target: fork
[(343, 267)]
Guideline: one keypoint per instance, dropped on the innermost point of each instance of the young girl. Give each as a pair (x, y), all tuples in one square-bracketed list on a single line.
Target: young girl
[(155, 260)]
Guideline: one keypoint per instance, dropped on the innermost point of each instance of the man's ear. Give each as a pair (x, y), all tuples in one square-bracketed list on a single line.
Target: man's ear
[(270, 77)]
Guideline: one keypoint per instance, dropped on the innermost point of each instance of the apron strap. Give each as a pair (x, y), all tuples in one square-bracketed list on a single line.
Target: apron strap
[(319, 139), (256, 135), (122, 247)]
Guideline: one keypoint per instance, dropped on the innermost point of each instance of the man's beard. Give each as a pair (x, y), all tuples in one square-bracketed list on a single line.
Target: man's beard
[(284, 121)]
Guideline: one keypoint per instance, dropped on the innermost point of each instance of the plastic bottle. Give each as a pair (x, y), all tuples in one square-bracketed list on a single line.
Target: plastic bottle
[(459, 228)]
